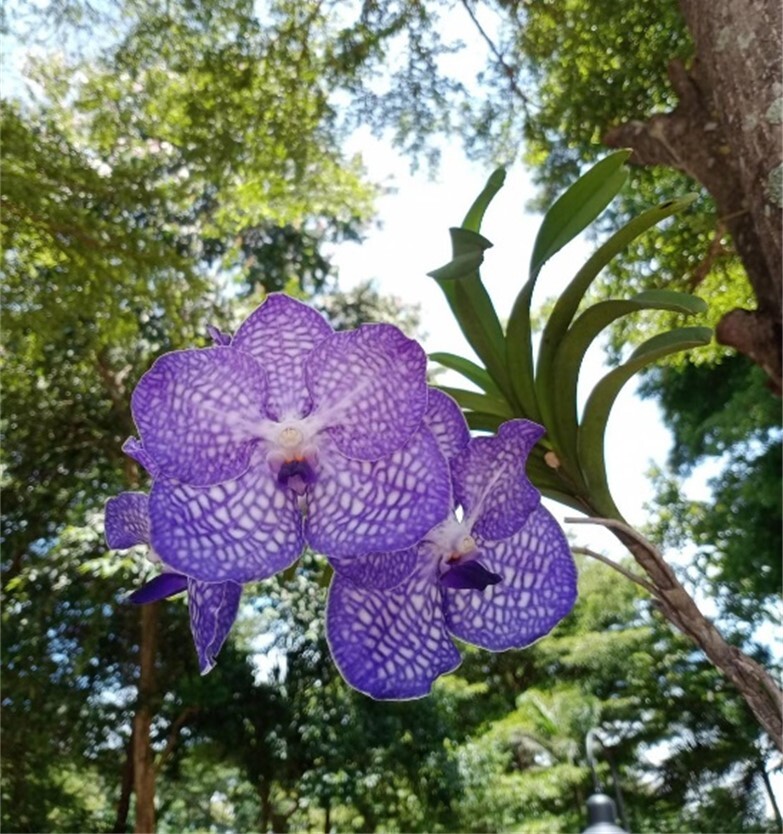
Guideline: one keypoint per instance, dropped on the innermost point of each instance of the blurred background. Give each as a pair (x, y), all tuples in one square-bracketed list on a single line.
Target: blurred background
[(166, 163)]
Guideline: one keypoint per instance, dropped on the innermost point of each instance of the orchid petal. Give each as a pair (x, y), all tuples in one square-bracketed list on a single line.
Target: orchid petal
[(359, 507), (196, 411), (240, 530), (490, 481), (126, 520), (213, 608), (133, 449), (219, 337), (369, 387), (381, 571), (444, 418), (280, 334), (538, 589), (164, 585), (390, 644)]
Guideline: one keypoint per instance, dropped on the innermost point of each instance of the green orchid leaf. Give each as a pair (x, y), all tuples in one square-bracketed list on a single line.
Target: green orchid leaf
[(602, 398), (458, 268), (578, 207), (519, 355), (678, 302), (568, 303), (569, 214), (475, 215), (563, 498), (571, 352), (470, 370), (470, 303), (480, 421), (476, 401)]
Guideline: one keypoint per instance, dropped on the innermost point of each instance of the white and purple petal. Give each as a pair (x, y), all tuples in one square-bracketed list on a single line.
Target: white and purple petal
[(219, 337), (133, 449), (241, 530), (390, 644), (280, 334), (490, 482), (444, 418), (213, 608), (196, 411), (381, 571), (360, 507), (369, 389), (537, 589), (126, 520)]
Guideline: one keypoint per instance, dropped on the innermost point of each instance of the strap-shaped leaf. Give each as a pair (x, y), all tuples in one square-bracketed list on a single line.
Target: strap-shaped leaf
[(569, 214), (578, 207), (475, 215), (470, 370), (476, 401), (571, 352), (470, 303), (601, 400), (562, 498), (479, 421), (519, 355), (567, 304)]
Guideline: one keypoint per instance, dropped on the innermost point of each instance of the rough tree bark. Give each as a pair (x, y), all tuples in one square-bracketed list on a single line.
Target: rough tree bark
[(726, 134)]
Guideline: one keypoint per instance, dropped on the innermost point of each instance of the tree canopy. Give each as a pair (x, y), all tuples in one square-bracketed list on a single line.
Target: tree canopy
[(179, 161)]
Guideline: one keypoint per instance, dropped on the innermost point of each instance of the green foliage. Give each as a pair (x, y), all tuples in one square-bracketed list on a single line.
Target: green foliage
[(575, 471), (725, 412), (183, 152)]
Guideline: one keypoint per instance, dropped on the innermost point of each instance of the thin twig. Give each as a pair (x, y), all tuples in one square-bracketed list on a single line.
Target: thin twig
[(507, 69), (585, 551), (715, 250)]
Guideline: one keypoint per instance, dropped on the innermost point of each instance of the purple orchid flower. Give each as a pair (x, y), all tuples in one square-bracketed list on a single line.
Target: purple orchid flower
[(286, 433), (212, 606), (499, 577)]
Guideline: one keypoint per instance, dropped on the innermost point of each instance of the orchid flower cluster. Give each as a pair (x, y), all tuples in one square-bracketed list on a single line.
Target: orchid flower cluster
[(289, 435)]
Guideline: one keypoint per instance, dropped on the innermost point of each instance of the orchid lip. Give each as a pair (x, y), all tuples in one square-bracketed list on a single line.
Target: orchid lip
[(297, 475)]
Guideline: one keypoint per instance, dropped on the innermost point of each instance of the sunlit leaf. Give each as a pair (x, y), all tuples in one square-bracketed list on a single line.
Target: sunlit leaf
[(470, 302), (578, 207), (568, 302), (571, 351), (470, 370), (475, 215), (601, 400), (479, 402)]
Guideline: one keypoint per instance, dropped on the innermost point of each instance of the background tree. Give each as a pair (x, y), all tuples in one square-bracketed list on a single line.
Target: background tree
[(183, 153)]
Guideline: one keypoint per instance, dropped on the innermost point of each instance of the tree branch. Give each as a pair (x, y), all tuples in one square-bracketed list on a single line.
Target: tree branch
[(171, 740), (507, 69), (758, 688)]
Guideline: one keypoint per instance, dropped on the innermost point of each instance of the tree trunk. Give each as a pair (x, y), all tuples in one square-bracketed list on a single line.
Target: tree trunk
[(126, 788), (264, 794), (725, 133), (143, 762)]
